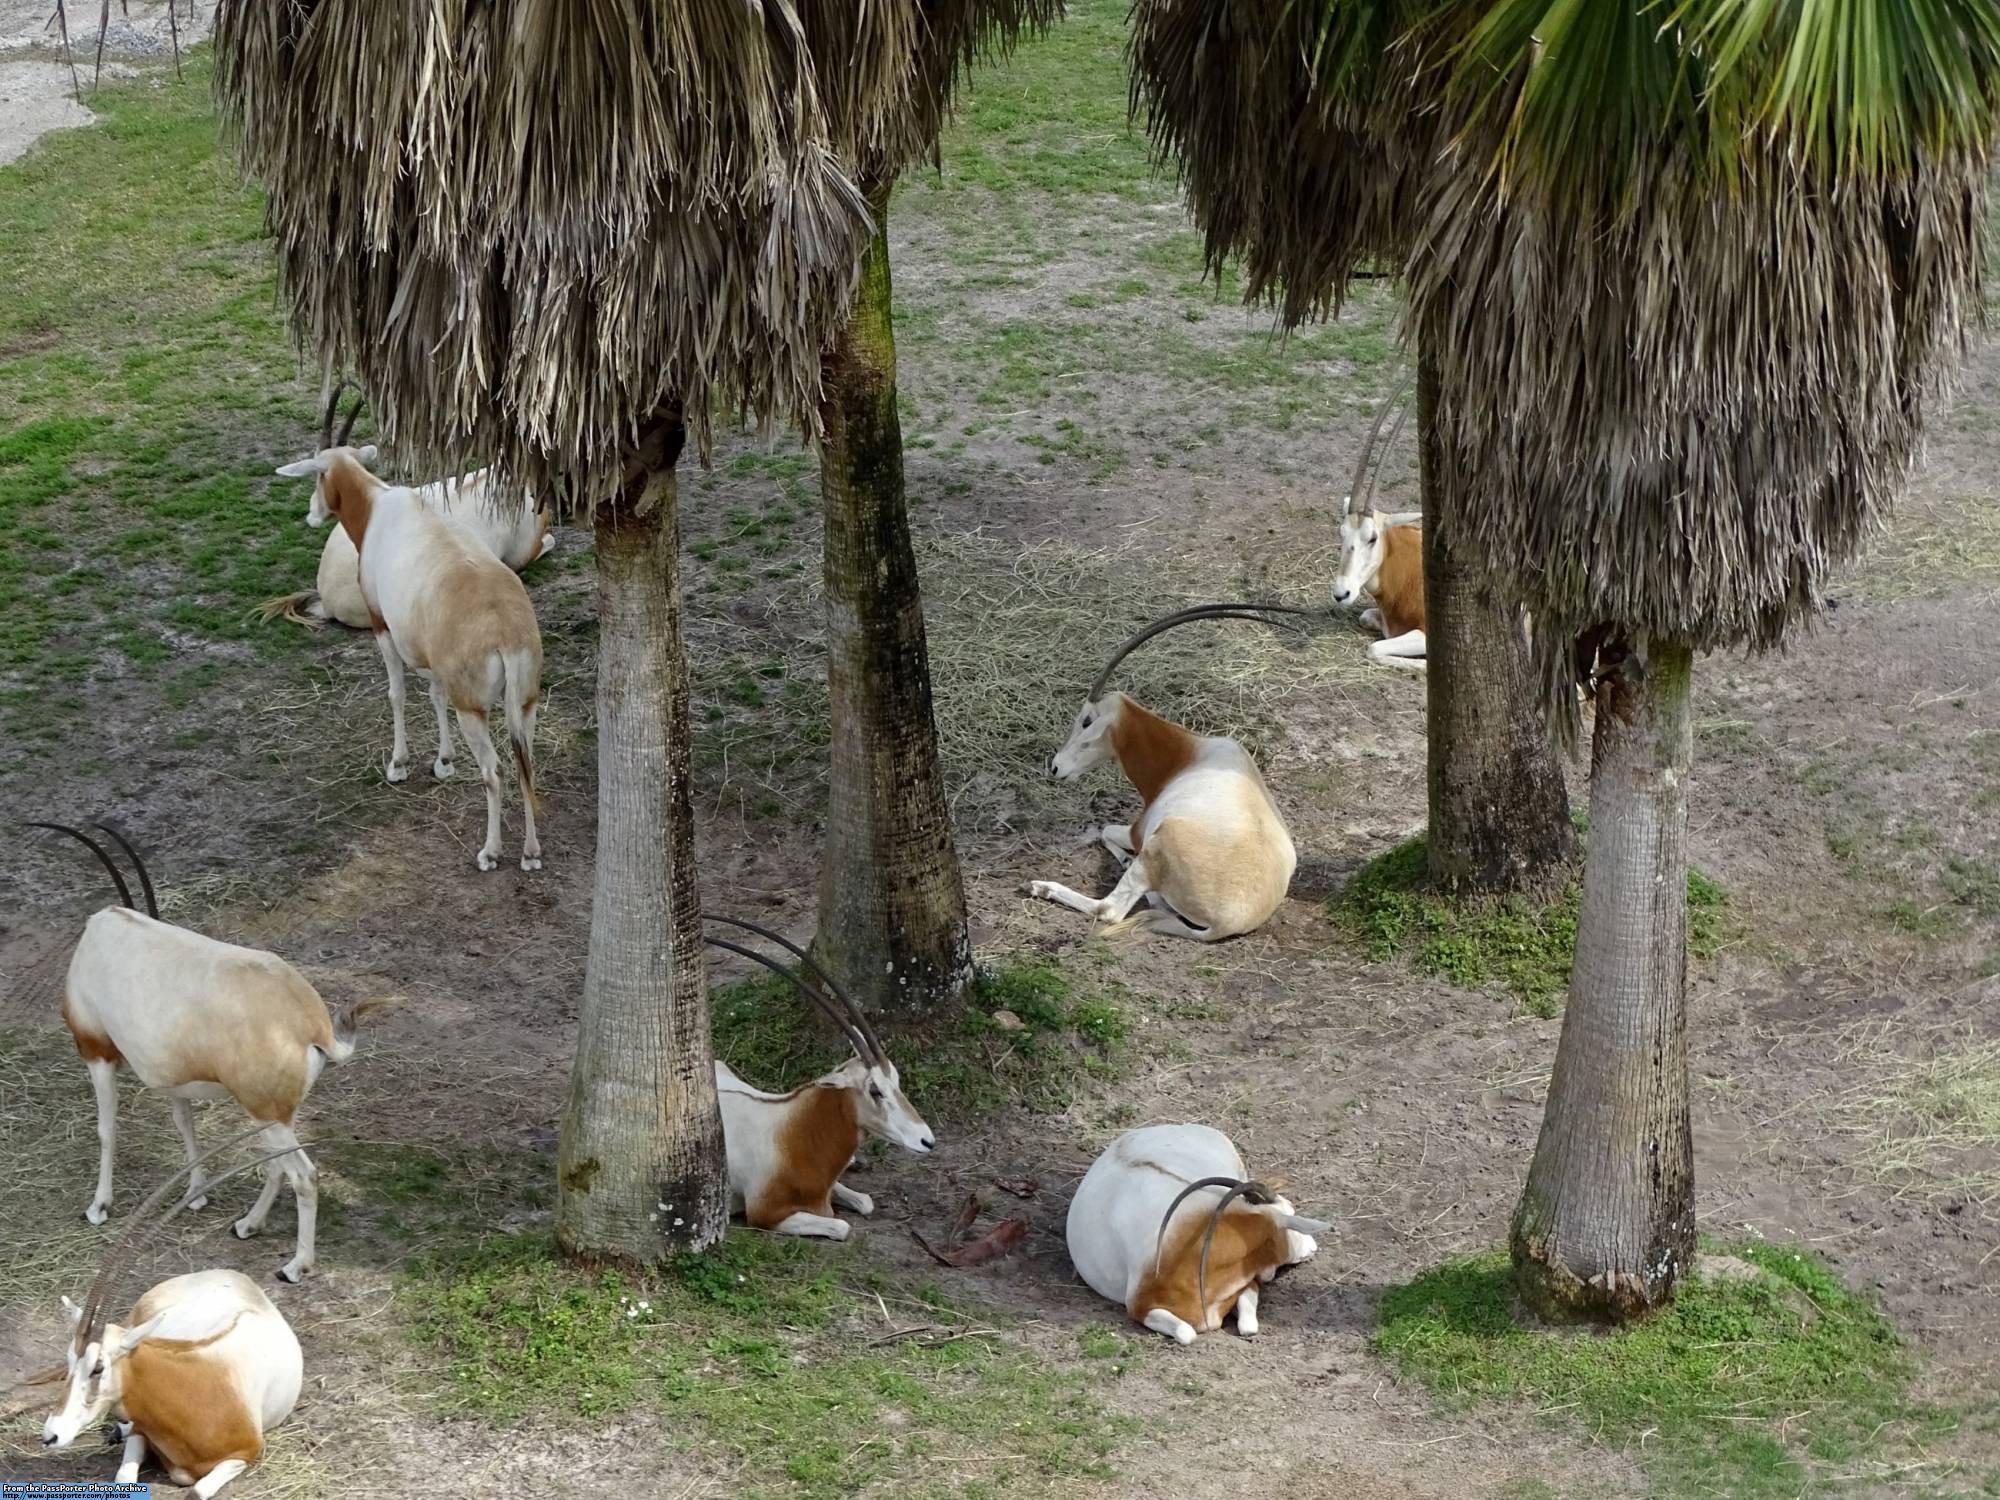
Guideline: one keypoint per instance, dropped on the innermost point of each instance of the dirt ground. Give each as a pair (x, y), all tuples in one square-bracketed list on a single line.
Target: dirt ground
[(1844, 794)]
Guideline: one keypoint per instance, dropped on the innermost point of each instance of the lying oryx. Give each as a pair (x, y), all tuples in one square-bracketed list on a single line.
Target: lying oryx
[(1209, 851), (197, 1019), (1182, 1272), (199, 1372), (517, 538), (443, 604), (787, 1151), (1382, 555)]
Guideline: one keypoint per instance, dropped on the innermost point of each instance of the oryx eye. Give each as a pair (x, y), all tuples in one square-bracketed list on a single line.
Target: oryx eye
[(1086, 721), (875, 1092)]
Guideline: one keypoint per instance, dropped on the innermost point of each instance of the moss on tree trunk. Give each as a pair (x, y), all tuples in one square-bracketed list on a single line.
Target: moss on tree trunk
[(641, 1129), (1606, 1223), (1499, 812), (892, 923)]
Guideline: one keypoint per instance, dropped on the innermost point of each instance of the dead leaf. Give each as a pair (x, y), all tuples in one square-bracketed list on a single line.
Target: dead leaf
[(967, 1217), (993, 1244), (1020, 1187)]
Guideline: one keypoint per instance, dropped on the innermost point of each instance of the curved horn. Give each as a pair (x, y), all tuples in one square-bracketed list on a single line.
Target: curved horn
[(1375, 430), (353, 415), (124, 890), (1388, 447), (1301, 1225), (333, 390), (811, 992), (856, 1015), (138, 864), (90, 1324), (1226, 611), (1255, 1192)]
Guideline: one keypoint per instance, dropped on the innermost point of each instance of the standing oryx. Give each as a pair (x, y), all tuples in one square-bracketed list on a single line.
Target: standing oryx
[(440, 602), (1182, 1273), (787, 1151), (517, 538), (1209, 852), (197, 1019), (1382, 555)]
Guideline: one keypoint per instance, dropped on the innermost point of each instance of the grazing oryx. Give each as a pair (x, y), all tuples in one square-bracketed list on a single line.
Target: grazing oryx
[(787, 1151), (517, 538), (1180, 1273), (1209, 851), (199, 1019), (1382, 554), (201, 1370), (440, 602)]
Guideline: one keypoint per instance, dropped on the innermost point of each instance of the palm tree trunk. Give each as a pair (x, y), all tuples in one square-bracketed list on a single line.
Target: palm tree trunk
[(892, 925), (1499, 812), (640, 1167), (1606, 1223)]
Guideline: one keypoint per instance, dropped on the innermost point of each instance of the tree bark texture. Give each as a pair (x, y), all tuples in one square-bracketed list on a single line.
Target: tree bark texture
[(640, 1168), (1606, 1222), (1499, 811), (892, 923)]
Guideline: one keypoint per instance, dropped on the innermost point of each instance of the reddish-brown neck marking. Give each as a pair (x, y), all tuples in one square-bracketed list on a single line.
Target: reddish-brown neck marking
[(1152, 751), (815, 1144), (1399, 582), (350, 495)]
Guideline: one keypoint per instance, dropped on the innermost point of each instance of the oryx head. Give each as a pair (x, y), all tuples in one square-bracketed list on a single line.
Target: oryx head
[(880, 1107), (96, 1374), (1362, 527), (315, 467), (1292, 1236)]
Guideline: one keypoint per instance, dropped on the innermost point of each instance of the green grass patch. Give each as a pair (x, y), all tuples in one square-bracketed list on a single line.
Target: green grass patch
[(1073, 1033), (1746, 1388), (755, 1356), (1521, 946)]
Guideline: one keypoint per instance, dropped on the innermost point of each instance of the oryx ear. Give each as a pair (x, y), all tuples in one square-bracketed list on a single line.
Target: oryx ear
[(132, 1338), (305, 468), (1346, 505), (1304, 1226), (367, 453), (75, 1312)]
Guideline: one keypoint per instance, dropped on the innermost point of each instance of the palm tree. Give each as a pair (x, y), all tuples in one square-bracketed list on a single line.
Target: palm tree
[(563, 239), (1308, 183), (892, 922), (1690, 275)]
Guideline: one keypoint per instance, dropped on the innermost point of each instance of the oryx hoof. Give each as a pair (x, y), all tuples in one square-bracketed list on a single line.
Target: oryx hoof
[(443, 769), (486, 859), (244, 1228), (196, 1205), (293, 1271), (531, 861), (398, 770), (1046, 889), (863, 1205), (97, 1213)]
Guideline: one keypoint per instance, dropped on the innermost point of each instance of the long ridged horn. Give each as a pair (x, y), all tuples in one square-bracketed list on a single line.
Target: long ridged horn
[(1244, 610), (857, 1019), (1254, 1192), (1388, 447), (117, 876), (138, 864), (1374, 431)]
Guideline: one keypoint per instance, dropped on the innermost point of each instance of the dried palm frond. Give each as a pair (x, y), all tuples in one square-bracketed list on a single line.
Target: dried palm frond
[(526, 229), (1690, 288), (958, 34)]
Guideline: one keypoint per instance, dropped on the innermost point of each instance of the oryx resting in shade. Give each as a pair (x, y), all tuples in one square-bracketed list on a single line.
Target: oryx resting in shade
[(201, 1369), (1143, 1232), (1209, 854), (787, 1151), (197, 1019), (517, 537), (1382, 556)]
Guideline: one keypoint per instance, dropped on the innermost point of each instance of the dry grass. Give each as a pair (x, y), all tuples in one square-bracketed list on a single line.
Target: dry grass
[(1931, 1123), (1931, 548)]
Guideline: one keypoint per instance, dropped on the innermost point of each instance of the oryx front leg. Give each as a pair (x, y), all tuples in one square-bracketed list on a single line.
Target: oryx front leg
[(129, 1461), (104, 1079), (472, 724), (218, 1476), (197, 1187), (442, 767), (1246, 1312), (1117, 837), (399, 751), (1402, 649), (1132, 888), (1162, 1321), (846, 1197), (812, 1226)]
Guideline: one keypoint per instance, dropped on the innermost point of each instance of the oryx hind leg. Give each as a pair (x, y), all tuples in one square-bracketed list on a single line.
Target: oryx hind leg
[(1409, 644), (846, 1197), (812, 1226)]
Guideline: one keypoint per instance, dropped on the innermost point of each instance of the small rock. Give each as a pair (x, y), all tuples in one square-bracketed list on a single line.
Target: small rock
[(1006, 1020)]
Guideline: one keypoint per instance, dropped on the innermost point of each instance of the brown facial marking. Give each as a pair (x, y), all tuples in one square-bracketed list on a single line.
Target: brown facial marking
[(815, 1145)]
